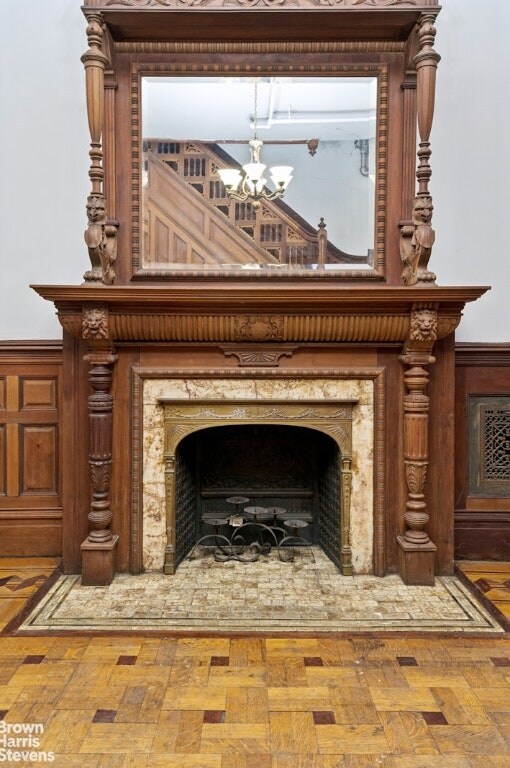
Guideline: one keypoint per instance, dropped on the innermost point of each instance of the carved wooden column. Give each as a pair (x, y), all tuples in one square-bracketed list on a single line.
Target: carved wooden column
[(417, 237), (100, 235), (416, 550), (99, 548), (426, 61)]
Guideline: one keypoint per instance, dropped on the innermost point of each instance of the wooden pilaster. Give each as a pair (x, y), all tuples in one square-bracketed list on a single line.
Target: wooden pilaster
[(417, 551), (99, 548)]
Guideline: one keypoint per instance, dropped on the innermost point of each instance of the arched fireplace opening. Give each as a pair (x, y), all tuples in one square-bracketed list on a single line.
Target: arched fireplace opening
[(296, 469)]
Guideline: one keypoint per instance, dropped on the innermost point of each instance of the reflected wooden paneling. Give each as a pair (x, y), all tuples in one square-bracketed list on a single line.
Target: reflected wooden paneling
[(189, 229)]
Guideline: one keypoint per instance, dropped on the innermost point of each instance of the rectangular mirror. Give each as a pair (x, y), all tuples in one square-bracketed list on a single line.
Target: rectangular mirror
[(312, 207)]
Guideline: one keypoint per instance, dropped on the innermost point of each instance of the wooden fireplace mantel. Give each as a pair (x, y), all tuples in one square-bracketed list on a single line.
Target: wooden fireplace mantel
[(196, 309), (389, 322)]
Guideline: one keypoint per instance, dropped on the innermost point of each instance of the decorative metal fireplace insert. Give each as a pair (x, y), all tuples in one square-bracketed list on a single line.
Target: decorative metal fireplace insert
[(215, 450), (284, 478)]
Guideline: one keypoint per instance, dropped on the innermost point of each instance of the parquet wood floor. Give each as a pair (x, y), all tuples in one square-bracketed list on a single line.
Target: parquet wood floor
[(251, 702), (492, 580)]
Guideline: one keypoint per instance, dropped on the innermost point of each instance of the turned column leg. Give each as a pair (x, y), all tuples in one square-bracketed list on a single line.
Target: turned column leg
[(100, 455), (99, 548), (416, 553)]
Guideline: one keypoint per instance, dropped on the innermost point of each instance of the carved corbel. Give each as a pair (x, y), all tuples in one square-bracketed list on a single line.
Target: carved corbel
[(259, 355), (416, 241), (417, 551), (98, 549), (100, 235)]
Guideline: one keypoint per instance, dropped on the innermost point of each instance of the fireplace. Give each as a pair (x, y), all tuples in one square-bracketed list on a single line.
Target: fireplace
[(296, 470), (329, 476), (193, 314)]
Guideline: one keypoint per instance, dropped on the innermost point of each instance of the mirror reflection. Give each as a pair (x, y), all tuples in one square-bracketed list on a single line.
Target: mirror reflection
[(258, 173)]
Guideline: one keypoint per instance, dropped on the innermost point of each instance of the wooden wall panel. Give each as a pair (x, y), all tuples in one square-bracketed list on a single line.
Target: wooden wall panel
[(3, 459), (38, 393), (123, 457), (482, 524), (38, 454), (30, 482), (440, 481), (75, 442), (395, 483)]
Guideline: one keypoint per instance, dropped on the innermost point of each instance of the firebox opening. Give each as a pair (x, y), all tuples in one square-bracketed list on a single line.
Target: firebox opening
[(296, 469)]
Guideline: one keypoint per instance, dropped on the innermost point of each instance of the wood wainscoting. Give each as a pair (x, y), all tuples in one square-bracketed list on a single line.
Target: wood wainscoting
[(482, 498), (30, 448)]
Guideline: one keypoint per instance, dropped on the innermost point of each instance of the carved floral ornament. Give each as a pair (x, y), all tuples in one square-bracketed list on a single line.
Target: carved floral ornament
[(259, 3), (258, 328), (333, 419)]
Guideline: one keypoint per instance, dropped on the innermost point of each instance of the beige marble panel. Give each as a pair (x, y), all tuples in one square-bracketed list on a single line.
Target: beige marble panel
[(154, 526)]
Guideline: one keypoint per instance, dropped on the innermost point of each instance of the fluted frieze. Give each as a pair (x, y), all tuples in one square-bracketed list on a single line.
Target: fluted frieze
[(259, 328)]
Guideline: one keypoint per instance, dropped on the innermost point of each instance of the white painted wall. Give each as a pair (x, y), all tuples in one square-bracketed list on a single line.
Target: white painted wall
[(44, 161), (471, 161)]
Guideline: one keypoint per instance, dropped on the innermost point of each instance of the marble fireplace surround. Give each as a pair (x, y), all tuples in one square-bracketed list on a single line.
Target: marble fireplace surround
[(366, 525)]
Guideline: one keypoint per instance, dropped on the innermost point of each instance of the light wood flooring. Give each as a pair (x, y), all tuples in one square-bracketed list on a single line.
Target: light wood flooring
[(251, 702)]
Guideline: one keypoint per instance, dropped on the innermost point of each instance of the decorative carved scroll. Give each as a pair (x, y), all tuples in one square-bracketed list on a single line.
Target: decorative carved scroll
[(100, 235)]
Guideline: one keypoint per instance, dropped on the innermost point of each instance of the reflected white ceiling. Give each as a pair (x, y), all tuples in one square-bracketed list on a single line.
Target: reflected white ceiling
[(216, 109)]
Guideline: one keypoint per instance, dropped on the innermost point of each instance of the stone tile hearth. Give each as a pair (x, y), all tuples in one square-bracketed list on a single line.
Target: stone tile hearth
[(306, 596)]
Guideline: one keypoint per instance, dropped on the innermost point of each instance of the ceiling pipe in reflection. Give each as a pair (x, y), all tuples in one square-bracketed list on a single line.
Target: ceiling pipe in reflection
[(362, 145)]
